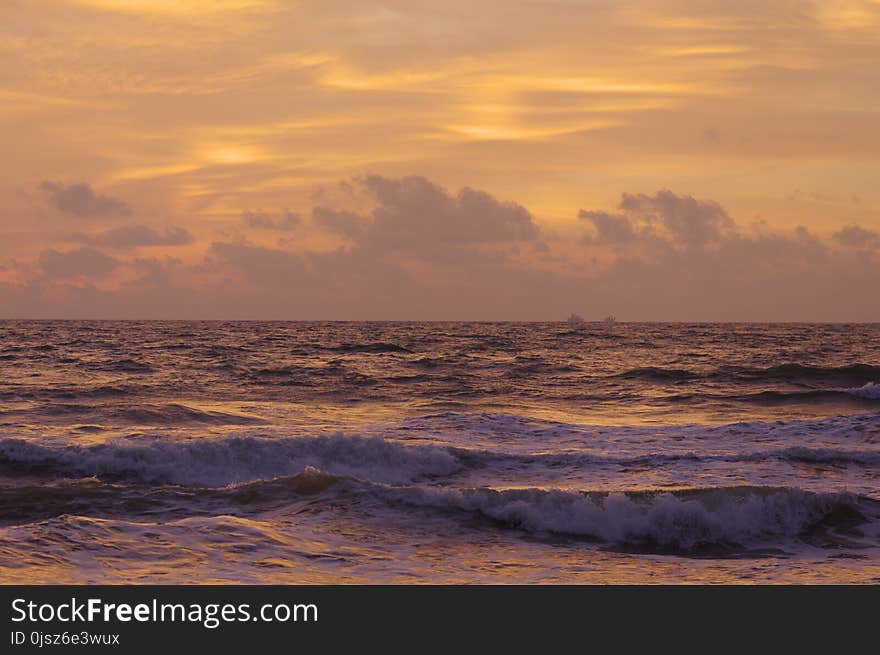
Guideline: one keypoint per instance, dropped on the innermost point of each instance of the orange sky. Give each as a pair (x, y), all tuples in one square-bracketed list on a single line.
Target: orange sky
[(676, 160)]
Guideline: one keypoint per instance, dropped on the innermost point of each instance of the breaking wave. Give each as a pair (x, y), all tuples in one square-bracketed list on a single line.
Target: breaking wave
[(869, 391), (689, 522), (708, 519), (239, 459), (228, 460)]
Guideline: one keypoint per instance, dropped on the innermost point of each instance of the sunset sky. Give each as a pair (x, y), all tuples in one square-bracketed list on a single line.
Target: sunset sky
[(674, 160)]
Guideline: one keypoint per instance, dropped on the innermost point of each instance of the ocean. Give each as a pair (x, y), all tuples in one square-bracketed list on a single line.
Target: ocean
[(355, 452)]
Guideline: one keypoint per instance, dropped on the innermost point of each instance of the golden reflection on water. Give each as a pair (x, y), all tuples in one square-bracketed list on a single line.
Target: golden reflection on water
[(404, 411), (236, 552)]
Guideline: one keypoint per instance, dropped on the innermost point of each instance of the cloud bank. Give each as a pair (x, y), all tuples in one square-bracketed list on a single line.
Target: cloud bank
[(409, 248)]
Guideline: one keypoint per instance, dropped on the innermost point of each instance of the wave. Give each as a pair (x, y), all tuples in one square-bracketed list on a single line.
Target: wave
[(289, 375), (175, 414), (853, 374), (657, 373), (869, 391), (331, 378), (27, 503), (228, 460), (539, 430), (803, 454), (435, 361), (121, 366), (693, 520), (239, 459), (377, 347), (821, 456), (866, 395), (147, 414), (55, 393), (282, 371)]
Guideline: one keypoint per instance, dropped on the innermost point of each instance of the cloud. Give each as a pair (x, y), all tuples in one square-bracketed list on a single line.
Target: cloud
[(418, 251), (675, 257), (136, 236), (669, 225), (854, 236), (260, 265), (691, 221), (153, 273), (679, 221), (345, 223), (414, 229), (416, 218), (609, 228), (264, 221), (414, 244), (410, 205), (83, 262), (80, 200)]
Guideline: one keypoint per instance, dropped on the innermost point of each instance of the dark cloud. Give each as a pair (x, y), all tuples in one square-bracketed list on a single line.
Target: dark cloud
[(679, 258), (688, 220), (854, 236), (259, 220), (609, 228), (419, 218), (414, 209), (667, 218), (136, 236), (653, 227), (83, 262), (418, 244), (80, 200)]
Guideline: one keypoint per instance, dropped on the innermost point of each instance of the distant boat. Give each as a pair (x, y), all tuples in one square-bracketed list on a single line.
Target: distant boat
[(575, 319), (609, 321)]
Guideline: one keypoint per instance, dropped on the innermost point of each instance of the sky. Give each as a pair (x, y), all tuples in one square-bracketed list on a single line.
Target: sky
[(677, 160)]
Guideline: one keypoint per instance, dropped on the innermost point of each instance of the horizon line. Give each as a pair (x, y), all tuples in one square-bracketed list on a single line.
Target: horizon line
[(450, 320)]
